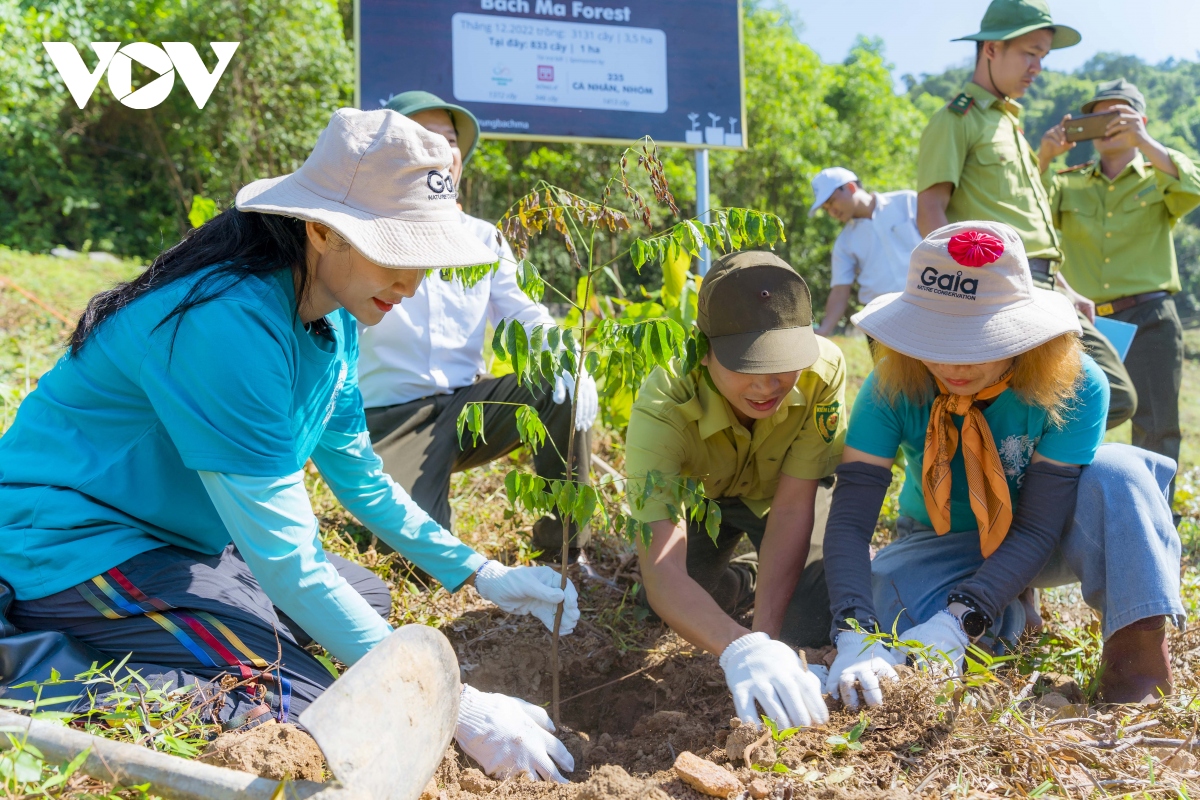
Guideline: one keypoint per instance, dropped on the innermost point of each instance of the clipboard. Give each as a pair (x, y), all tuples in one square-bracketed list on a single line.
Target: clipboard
[(1119, 334)]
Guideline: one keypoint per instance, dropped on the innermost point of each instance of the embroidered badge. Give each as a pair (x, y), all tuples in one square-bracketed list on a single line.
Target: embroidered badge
[(826, 416), (961, 104)]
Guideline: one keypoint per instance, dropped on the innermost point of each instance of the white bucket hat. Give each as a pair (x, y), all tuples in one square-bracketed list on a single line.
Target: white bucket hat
[(383, 183), (969, 299)]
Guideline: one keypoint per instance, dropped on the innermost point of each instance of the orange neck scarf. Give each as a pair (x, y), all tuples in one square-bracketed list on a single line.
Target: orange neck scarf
[(986, 483)]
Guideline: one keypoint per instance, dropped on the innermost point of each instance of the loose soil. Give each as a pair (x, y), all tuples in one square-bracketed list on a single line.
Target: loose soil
[(270, 750)]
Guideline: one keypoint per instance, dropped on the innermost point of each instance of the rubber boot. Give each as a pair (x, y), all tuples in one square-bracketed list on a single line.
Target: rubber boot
[(1135, 664)]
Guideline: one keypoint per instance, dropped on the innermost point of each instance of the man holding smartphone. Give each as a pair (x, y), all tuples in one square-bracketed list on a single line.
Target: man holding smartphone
[(1116, 214), (975, 164)]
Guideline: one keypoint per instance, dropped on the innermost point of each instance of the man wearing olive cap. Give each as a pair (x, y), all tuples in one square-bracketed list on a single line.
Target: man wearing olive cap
[(975, 164), (1116, 215), (760, 424), (422, 364)]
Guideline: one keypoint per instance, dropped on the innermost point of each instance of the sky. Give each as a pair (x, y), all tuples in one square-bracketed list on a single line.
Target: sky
[(917, 33)]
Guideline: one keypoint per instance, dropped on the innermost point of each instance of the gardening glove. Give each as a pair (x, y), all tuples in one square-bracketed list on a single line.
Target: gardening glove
[(945, 639), (589, 400), (863, 663), (529, 590), (760, 669), (508, 736)]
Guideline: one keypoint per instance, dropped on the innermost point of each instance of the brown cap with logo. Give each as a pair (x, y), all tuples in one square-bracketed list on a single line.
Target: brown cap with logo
[(757, 314)]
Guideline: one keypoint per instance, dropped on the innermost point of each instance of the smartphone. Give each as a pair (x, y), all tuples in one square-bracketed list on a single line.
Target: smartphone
[(1089, 126)]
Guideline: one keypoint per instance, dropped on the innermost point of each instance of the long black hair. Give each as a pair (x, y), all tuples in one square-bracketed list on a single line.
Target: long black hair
[(244, 243)]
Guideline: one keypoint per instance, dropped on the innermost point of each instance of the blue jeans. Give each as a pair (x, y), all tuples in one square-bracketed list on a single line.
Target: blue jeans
[(1121, 547)]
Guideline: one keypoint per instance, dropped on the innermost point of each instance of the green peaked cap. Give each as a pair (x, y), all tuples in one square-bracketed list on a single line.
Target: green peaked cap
[(1008, 19), (465, 124)]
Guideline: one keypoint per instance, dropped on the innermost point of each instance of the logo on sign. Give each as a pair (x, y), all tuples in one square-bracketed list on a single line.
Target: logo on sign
[(118, 61), (442, 185), (545, 73), (501, 75)]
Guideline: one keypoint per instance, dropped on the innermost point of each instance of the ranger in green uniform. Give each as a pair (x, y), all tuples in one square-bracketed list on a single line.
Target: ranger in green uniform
[(1116, 216), (975, 164)]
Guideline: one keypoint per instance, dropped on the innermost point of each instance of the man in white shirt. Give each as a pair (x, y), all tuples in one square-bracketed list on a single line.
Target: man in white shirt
[(873, 248), (424, 362)]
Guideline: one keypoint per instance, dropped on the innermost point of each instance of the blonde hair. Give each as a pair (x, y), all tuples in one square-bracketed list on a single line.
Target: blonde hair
[(1046, 377)]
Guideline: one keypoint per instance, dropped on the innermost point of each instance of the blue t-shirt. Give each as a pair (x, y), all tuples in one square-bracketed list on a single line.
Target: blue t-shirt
[(880, 428), (101, 462)]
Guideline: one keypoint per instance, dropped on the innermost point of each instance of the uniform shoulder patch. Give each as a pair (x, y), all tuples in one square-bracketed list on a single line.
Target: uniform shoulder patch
[(826, 416), (1077, 167), (961, 104)]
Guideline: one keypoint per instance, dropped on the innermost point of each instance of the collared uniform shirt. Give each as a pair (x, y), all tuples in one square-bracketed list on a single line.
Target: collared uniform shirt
[(874, 251), (1116, 235), (432, 343), (983, 152), (681, 427)]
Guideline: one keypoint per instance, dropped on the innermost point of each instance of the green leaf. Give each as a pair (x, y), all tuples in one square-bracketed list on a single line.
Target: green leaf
[(498, 339), (517, 342), (530, 281), (530, 428), (327, 664), (858, 728), (781, 768), (712, 521), (202, 210), (471, 418), (554, 337)]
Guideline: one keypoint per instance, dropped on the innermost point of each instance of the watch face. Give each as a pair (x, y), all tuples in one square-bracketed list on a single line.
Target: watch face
[(973, 624)]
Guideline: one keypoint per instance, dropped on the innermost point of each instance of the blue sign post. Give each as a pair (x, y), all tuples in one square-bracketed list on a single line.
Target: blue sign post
[(600, 71)]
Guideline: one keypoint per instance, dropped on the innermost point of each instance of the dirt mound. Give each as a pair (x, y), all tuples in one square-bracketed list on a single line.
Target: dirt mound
[(610, 782), (270, 751)]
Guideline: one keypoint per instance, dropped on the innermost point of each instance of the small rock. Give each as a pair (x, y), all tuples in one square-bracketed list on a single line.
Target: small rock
[(705, 776), (63, 252), (269, 750), (739, 739), (103, 258), (1053, 700), (758, 788), (606, 741), (610, 782), (473, 781), (1181, 761), (734, 723)]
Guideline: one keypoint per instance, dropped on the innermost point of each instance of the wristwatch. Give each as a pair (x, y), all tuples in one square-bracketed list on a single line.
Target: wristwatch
[(973, 621)]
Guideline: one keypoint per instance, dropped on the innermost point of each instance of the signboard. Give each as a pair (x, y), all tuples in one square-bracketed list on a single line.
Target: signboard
[(606, 71)]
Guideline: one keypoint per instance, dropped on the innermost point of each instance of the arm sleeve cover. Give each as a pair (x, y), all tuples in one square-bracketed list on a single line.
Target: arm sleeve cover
[(272, 523), (1044, 509), (355, 474), (857, 498)]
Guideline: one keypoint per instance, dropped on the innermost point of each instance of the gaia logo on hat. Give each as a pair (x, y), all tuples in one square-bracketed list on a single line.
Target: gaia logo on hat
[(118, 61), (441, 184), (971, 249)]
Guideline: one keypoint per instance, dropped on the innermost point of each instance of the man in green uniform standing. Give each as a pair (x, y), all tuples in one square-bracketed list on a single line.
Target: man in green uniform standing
[(1116, 214), (975, 164)]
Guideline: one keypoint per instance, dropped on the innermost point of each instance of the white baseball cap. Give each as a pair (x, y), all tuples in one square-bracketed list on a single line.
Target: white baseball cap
[(383, 183), (969, 299), (826, 183)]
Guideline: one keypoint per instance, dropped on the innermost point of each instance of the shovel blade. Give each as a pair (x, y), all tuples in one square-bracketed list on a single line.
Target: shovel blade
[(386, 723)]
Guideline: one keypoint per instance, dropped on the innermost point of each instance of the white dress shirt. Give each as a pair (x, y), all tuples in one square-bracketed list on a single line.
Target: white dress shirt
[(432, 343), (873, 251)]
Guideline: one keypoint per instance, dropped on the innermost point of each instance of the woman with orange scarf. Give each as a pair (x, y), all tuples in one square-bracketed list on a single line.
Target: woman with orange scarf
[(981, 382)]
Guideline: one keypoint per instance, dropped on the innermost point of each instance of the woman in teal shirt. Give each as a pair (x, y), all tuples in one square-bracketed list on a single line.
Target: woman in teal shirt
[(982, 383), (152, 500)]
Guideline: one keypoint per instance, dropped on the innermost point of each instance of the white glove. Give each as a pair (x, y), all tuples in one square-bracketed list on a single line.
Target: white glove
[(757, 668), (529, 590), (508, 736), (944, 637), (589, 400), (863, 663)]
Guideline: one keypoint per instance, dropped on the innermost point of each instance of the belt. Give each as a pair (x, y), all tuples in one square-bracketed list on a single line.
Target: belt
[(1123, 303), (1043, 267)]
